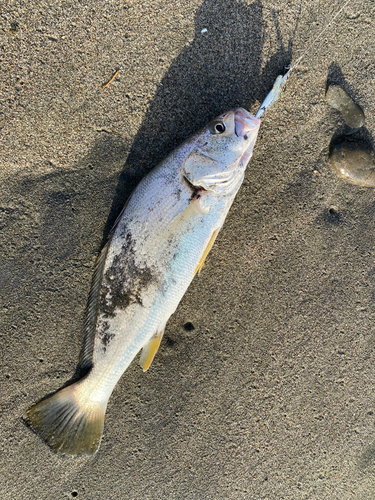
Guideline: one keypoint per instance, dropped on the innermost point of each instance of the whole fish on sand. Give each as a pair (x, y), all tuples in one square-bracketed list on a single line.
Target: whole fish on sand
[(156, 247), (158, 244)]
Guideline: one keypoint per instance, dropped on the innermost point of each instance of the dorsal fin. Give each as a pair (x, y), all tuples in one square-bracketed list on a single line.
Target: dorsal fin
[(91, 311)]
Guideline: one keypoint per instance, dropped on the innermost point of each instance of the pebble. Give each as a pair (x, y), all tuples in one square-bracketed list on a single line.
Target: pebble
[(352, 114), (355, 163)]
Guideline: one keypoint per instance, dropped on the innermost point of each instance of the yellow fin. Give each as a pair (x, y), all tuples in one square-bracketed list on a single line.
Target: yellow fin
[(207, 251), (149, 351)]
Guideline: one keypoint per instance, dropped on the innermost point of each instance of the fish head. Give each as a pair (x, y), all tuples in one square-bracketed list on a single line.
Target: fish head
[(221, 152)]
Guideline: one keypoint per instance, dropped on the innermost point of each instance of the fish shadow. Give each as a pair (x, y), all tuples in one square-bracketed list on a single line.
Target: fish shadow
[(219, 69)]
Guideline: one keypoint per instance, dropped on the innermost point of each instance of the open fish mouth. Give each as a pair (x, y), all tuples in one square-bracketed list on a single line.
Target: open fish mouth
[(245, 123)]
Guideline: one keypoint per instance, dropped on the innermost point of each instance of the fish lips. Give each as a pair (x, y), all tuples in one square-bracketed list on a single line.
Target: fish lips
[(245, 123), (247, 127)]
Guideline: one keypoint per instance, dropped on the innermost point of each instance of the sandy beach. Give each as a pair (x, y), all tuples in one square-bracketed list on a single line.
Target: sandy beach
[(263, 387)]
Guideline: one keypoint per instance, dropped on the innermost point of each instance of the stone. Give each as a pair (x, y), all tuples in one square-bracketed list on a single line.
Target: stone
[(355, 163), (352, 114)]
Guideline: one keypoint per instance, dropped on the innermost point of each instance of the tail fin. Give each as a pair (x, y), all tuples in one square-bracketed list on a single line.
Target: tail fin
[(68, 427)]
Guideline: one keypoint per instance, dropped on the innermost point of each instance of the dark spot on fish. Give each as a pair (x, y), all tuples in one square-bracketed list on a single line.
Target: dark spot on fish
[(125, 281), (105, 335), (196, 190), (106, 339), (189, 326), (197, 193)]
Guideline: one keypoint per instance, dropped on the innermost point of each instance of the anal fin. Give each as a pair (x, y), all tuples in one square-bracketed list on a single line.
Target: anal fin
[(207, 251), (149, 351)]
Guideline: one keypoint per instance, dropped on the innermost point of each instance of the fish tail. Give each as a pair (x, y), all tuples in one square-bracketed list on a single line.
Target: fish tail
[(68, 427)]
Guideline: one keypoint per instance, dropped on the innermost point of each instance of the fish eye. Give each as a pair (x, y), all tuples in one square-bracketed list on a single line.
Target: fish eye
[(217, 127)]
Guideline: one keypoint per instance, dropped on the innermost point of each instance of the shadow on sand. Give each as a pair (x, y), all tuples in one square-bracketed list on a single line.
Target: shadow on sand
[(218, 70)]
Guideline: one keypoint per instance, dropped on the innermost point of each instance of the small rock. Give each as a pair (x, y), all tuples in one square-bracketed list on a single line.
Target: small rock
[(352, 114), (352, 15), (355, 163), (189, 326)]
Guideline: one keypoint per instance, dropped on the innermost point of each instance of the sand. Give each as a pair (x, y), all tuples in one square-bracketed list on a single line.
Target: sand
[(270, 395)]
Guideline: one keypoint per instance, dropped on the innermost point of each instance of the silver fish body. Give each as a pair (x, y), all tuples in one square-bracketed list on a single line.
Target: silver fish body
[(158, 244)]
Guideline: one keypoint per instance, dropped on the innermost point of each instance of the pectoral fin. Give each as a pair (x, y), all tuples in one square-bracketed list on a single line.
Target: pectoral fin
[(149, 351), (181, 222), (207, 251)]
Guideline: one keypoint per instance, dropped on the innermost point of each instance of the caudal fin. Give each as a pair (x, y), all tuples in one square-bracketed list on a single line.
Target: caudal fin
[(68, 427)]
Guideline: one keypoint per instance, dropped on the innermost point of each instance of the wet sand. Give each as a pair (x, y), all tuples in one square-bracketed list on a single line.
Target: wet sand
[(270, 395)]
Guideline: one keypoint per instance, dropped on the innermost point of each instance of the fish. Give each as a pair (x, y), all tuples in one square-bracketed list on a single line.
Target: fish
[(158, 244)]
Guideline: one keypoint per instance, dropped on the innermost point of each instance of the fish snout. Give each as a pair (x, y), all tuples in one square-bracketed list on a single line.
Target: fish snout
[(245, 123)]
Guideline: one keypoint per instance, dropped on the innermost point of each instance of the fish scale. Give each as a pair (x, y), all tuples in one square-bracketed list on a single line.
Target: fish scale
[(177, 275)]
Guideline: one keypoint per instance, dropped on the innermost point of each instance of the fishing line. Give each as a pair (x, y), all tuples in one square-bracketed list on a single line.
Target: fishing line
[(294, 65), (280, 80)]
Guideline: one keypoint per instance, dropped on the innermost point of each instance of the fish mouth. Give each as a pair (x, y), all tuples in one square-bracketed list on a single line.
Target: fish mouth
[(245, 123)]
